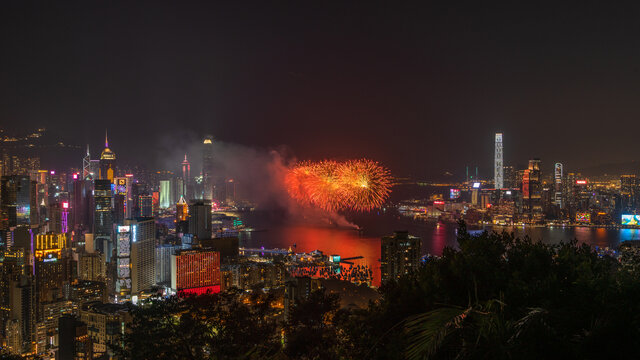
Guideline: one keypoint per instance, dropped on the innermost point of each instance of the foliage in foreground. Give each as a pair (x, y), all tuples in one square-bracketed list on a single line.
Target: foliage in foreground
[(218, 326), (496, 297), (500, 297)]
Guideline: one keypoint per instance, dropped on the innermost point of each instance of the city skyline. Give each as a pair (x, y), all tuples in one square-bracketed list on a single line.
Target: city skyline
[(318, 180), (172, 157)]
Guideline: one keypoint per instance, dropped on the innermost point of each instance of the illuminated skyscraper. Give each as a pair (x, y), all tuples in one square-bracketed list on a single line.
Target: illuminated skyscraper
[(105, 325), (186, 178), (532, 191), (49, 266), (94, 169), (122, 198), (102, 218), (135, 265), (182, 210), (64, 217), (629, 192), (107, 162), (21, 165), (143, 251), (557, 181), (13, 264), (91, 266), (163, 262), (165, 194), (123, 262), (18, 194), (145, 204), (207, 168), (182, 216), (58, 217), (177, 189), (498, 171), (155, 203), (510, 180), (86, 166)]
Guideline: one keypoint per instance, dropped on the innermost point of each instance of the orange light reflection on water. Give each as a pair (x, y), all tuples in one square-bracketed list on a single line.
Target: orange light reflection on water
[(346, 243)]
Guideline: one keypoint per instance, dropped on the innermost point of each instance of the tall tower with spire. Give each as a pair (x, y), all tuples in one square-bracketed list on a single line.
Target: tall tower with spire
[(107, 161), (86, 165), (186, 178)]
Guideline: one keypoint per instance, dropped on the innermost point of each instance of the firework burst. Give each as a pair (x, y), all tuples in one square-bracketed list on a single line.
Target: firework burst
[(359, 185)]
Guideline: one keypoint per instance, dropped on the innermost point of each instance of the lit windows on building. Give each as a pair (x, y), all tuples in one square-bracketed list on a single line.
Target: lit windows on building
[(195, 271)]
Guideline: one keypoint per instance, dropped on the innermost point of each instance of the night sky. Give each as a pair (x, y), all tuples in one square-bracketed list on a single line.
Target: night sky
[(419, 87)]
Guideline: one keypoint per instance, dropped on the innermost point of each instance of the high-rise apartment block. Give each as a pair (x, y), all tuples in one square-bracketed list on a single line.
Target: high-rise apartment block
[(400, 254)]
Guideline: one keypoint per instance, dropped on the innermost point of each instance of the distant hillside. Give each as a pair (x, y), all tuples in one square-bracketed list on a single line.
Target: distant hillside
[(629, 167)]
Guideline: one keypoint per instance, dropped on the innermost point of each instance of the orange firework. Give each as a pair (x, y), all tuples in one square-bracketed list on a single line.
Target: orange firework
[(322, 188), (356, 184), (297, 179), (365, 184)]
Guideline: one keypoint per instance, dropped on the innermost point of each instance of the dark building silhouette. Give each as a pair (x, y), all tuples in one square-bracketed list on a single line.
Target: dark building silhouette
[(296, 290), (75, 343), (400, 254), (200, 219)]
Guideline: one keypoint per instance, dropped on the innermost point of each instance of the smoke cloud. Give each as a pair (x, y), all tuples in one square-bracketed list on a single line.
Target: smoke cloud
[(258, 174)]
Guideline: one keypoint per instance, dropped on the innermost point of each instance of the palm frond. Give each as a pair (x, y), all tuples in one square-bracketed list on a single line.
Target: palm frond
[(535, 317), (427, 331)]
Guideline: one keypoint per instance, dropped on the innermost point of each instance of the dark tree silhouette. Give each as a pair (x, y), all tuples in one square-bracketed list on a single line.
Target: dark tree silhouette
[(310, 333), (503, 297), (216, 326)]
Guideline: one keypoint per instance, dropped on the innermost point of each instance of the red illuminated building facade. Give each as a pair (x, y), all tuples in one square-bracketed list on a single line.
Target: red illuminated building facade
[(195, 272)]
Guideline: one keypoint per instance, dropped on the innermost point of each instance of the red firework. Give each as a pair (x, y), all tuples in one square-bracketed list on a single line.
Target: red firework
[(356, 184)]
